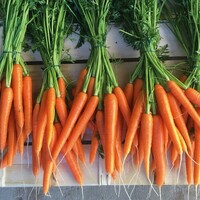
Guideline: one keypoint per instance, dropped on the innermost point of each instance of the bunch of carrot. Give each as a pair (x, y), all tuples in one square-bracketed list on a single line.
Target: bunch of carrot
[(97, 95), (160, 103), (51, 24), (183, 17), (16, 100)]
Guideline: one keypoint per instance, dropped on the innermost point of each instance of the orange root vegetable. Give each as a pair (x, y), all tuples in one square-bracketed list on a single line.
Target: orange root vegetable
[(5, 107), (17, 85), (166, 114), (74, 113), (134, 122), (110, 117), (28, 104)]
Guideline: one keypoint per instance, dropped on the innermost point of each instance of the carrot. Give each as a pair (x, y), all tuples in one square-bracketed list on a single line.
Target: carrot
[(182, 141), (140, 149), (73, 165), (12, 138), (74, 113), (166, 114), (35, 158), (166, 136), (80, 151), (41, 124), (100, 126), (20, 139), (47, 165), (61, 110), (58, 127), (177, 162), (196, 152), (123, 104), (184, 113), (110, 117), (82, 122), (17, 85), (146, 134), (118, 146), (27, 102), (158, 150), (193, 95), (62, 88), (138, 84), (178, 118), (50, 108), (80, 81), (5, 106), (128, 91), (190, 124), (152, 166), (180, 96), (93, 147), (189, 165), (133, 124), (90, 88), (174, 154)]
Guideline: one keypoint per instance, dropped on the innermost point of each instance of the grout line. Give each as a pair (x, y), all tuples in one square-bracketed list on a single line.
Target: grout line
[(111, 60)]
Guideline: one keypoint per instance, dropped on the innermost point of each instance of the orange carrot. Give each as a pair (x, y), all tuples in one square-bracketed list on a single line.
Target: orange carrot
[(184, 113), (146, 134), (80, 151), (133, 124), (174, 154), (58, 127), (82, 122), (80, 81), (166, 136), (62, 88), (41, 124), (27, 102), (12, 138), (61, 110), (118, 146), (166, 114), (140, 149), (93, 147), (123, 104), (189, 165), (90, 88), (196, 152), (193, 95), (158, 150), (74, 113), (138, 84), (110, 117), (35, 158), (17, 85), (20, 139), (178, 118), (180, 96), (50, 108), (74, 167), (128, 91), (5, 106)]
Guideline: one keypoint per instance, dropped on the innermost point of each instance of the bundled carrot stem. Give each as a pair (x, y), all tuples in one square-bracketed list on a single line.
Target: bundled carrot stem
[(16, 100)]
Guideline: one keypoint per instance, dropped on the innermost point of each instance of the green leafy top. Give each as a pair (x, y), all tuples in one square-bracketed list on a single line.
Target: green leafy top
[(184, 19), (51, 24), (15, 21)]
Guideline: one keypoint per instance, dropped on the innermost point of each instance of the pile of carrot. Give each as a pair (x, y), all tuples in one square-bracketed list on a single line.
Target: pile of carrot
[(155, 115), (16, 100)]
